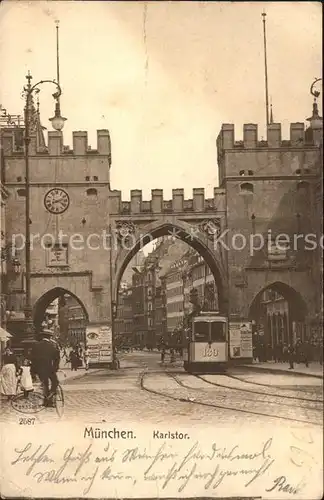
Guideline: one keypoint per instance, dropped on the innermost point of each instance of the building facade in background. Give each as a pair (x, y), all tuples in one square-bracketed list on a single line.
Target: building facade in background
[(185, 274), (124, 323), (72, 321)]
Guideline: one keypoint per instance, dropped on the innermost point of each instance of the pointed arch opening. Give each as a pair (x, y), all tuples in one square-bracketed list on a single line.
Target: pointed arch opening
[(168, 230), (278, 313), (64, 313), (156, 303)]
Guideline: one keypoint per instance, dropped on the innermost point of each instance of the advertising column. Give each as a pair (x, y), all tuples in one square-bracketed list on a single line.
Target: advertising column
[(240, 340), (99, 344)]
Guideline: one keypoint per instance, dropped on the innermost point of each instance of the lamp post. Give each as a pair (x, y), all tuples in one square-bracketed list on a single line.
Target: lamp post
[(58, 124), (113, 306)]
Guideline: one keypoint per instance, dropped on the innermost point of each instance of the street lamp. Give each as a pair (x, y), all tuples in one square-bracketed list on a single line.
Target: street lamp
[(57, 123), (113, 306), (16, 266), (114, 364), (57, 120)]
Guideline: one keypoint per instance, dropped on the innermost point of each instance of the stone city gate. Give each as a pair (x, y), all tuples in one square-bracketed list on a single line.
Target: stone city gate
[(266, 188)]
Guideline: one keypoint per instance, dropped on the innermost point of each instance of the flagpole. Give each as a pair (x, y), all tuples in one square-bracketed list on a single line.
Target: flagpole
[(57, 53), (265, 67)]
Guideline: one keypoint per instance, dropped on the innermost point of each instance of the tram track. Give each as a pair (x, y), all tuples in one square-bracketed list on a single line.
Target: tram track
[(284, 396), (145, 373), (280, 403), (235, 377)]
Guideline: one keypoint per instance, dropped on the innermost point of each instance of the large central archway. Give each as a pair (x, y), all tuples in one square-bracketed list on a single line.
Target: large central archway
[(182, 232)]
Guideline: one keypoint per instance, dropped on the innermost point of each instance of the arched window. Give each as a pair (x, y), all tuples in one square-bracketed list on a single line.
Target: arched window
[(298, 171), (250, 172), (247, 187), (21, 192), (92, 192), (19, 178), (242, 173), (95, 177), (87, 178)]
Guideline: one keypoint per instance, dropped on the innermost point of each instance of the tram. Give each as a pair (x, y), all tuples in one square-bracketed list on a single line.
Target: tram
[(207, 347)]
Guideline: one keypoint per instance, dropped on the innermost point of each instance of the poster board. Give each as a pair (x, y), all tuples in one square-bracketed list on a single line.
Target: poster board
[(240, 339), (99, 344)]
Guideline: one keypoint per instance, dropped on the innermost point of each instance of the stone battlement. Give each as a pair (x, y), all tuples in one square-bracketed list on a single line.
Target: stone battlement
[(297, 139), (55, 145), (157, 204)]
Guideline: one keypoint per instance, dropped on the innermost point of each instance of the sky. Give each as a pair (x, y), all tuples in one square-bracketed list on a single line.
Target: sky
[(162, 77)]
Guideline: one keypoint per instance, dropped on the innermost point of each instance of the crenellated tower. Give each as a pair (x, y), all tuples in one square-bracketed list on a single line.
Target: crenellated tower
[(69, 200), (270, 194)]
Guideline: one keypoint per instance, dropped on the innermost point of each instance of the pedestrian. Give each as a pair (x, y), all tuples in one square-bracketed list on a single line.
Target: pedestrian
[(45, 362), (8, 351), (74, 359), (291, 356), (298, 351), (25, 378), (8, 376), (86, 358), (162, 354), (172, 356)]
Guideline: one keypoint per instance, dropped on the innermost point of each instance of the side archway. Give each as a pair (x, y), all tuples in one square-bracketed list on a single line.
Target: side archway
[(155, 231), (297, 305), (278, 312), (46, 299)]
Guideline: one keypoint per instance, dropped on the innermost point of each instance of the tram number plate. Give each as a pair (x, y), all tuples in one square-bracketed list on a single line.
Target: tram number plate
[(210, 352)]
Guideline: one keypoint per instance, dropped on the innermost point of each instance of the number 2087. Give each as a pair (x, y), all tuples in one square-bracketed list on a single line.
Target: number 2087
[(27, 421)]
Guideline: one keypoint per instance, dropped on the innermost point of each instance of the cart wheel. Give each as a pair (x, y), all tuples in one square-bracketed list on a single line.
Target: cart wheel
[(59, 401)]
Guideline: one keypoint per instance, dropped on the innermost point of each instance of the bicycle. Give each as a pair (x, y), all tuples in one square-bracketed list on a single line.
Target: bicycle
[(34, 402)]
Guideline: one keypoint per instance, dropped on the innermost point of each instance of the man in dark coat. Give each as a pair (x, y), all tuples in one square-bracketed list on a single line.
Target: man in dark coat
[(291, 355), (45, 359)]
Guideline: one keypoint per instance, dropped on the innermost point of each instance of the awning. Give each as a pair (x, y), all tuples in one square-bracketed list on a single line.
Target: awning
[(4, 335)]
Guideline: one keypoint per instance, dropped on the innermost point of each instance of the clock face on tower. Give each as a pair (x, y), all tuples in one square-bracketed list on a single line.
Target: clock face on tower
[(56, 201)]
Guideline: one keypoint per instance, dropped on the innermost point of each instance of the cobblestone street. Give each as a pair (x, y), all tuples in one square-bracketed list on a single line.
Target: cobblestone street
[(142, 390)]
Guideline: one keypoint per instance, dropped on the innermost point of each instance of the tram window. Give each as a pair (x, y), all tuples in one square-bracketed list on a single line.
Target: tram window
[(218, 332), (201, 329)]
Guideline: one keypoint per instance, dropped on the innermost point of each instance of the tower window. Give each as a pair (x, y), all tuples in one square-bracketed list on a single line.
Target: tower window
[(95, 177), (242, 173), (87, 178), (21, 192), (247, 187), (250, 172), (19, 179), (92, 192), (303, 185)]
